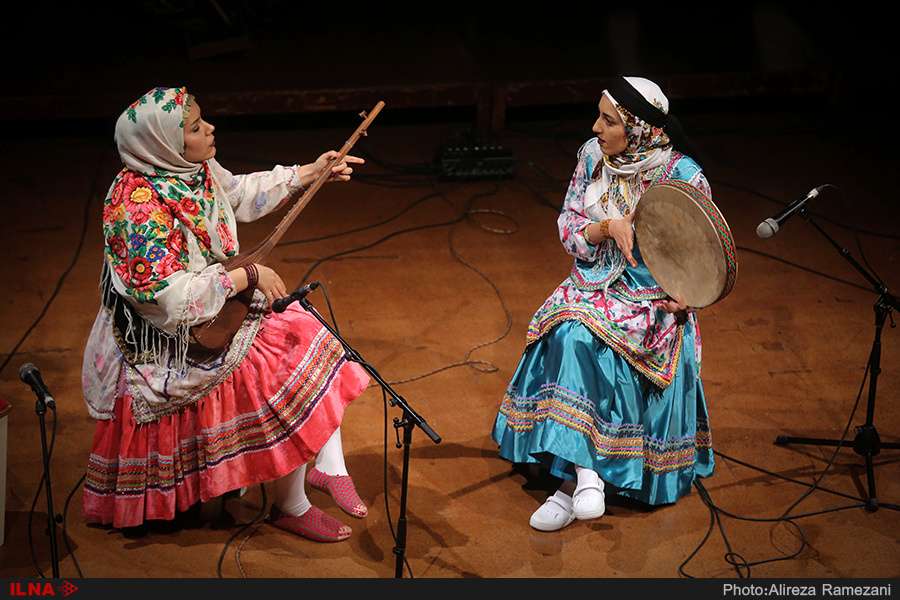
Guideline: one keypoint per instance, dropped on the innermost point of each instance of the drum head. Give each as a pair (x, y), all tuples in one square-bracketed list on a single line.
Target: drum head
[(684, 241)]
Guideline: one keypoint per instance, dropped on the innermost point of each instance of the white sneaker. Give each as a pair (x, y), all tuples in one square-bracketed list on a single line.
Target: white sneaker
[(588, 501), (554, 514)]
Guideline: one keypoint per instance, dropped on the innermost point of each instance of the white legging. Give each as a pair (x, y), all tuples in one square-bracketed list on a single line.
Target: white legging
[(330, 459), (290, 491)]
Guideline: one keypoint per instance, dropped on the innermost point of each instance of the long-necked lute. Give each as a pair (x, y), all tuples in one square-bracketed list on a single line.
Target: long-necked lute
[(214, 336)]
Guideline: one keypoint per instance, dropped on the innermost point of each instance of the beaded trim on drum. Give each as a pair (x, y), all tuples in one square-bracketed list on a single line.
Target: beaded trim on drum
[(722, 231)]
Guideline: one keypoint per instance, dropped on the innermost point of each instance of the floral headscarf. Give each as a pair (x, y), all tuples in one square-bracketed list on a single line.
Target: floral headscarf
[(642, 137), (158, 197), (617, 186)]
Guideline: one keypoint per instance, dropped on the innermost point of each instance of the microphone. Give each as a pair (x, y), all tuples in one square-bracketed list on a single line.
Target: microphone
[(30, 375), (281, 304), (770, 227)]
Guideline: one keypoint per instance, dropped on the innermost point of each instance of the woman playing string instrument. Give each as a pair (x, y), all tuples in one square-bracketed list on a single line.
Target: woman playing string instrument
[(608, 390), (172, 429)]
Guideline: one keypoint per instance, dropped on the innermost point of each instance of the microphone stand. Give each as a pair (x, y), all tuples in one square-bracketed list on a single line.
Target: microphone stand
[(409, 420), (867, 442), (40, 408)]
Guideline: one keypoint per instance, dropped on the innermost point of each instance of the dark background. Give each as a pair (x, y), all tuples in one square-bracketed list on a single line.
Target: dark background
[(78, 65)]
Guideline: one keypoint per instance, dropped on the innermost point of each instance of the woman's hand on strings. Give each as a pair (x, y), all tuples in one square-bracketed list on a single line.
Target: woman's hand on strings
[(340, 171), (622, 231), (270, 284)]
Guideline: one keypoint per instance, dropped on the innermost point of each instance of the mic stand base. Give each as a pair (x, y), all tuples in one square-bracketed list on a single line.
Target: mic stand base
[(867, 442)]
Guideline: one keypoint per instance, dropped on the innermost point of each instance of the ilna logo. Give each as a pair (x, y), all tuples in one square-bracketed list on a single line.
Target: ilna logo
[(27, 589)]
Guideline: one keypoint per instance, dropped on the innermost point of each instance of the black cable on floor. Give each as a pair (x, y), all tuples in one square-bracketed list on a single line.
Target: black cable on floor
[(257, 520), (426, 169), (253, 526), (62, 278), (741, 565), (398, 183), (479, 365), (65, 530), (541, 198), (381, 240), (810, 270), (467, 214), (362, 228)]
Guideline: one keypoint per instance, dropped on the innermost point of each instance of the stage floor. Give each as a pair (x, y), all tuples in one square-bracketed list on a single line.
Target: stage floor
[(784, 354)]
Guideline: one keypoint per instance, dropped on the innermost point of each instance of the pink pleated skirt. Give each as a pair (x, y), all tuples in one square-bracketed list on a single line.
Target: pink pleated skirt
[(269, 416)]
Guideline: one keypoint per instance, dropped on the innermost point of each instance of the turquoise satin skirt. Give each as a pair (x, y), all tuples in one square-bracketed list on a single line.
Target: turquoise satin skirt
[(574, 401)]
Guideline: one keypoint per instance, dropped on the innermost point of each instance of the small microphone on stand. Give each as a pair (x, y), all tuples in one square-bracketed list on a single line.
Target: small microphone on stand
[(281, 304), (30, 375), (770, 226)]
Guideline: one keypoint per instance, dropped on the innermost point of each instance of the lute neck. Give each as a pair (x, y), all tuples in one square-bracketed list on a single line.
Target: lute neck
[(261, 251)]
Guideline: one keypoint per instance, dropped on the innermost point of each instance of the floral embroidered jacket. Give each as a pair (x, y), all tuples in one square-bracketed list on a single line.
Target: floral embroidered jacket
[(627, 315)]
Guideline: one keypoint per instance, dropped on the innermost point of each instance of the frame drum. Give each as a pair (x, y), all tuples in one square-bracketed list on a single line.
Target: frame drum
[(686, 243)]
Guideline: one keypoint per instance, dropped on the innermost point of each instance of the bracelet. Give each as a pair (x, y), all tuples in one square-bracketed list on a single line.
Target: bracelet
[(604, 228), (252, 276), (604, 232)]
